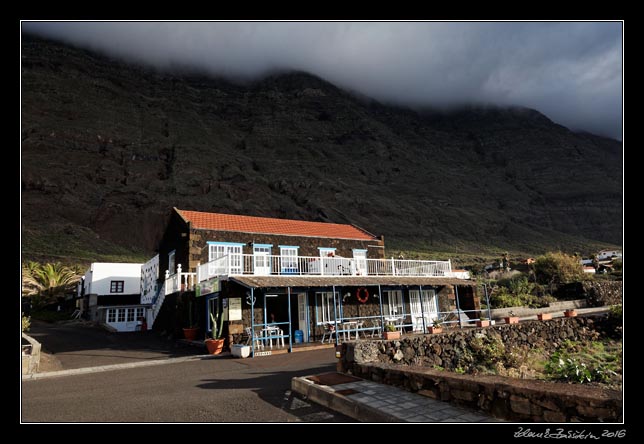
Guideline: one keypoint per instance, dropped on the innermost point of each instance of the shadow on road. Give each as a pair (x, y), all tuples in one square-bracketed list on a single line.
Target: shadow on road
[(78, 345), (270, 387)]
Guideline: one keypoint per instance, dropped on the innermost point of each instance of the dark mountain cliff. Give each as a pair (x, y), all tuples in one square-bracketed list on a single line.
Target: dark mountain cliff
[(108, 149)]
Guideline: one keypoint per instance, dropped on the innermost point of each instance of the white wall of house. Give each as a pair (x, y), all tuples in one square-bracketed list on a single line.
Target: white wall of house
[(607, 254), (99, 277)]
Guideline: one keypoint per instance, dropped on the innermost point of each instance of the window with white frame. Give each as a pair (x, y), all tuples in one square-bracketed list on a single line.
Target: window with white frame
[(393, 303), (288, 259), (233, 258), (111, 315), (140, 313), (130, 314), (120, 315), (262, 259), (324, 307)]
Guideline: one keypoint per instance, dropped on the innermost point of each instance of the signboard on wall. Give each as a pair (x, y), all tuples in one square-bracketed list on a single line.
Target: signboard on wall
[(234, 309), (207, 287)]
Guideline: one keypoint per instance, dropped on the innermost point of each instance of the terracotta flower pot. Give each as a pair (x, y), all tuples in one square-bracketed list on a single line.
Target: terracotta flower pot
[(190, 333), (511, 320), (570, 313), (544, 316), (483, 323), (214, 346), (434, 330), (391, 335)]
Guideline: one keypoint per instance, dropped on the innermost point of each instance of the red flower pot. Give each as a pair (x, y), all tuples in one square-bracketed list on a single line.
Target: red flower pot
[(214, 346), (190, 333)]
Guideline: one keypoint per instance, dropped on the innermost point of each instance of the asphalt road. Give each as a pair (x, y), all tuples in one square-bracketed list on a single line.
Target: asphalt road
[(78, 345), (207, 390)]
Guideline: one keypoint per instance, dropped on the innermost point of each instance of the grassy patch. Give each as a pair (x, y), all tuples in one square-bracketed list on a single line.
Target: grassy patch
[(596, 361)]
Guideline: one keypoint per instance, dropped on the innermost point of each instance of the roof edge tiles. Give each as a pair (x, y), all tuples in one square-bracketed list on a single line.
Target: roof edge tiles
[(267, 225)]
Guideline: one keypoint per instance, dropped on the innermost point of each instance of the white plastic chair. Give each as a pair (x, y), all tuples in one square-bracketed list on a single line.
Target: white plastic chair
[(258, 340), (375, 327), (329, 329)]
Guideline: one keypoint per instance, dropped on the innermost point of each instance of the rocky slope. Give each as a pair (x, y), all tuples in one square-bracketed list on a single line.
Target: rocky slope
[(108, 148)]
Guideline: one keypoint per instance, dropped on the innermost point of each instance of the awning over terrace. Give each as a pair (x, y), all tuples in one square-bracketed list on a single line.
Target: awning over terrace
[(363, 281)]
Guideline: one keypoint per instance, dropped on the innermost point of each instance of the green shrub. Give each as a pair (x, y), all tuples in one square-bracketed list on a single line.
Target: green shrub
[(584, 362), (487, 350), (502, 297), (558, 268), (26, 322), (615, 312)]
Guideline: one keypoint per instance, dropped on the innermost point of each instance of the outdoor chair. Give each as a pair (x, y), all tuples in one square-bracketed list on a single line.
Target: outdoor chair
[(258, 339), (375, 330), (329, 330)]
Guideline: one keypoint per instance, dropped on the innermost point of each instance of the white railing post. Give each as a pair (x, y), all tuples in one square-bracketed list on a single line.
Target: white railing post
[(449, 262), (393, 267), (198, 275)]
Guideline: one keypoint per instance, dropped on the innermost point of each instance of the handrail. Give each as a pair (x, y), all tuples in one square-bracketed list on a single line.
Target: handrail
[(276, 265)]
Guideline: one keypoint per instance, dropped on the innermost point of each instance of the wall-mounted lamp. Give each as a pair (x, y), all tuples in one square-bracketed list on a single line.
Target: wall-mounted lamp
[(344, 298)]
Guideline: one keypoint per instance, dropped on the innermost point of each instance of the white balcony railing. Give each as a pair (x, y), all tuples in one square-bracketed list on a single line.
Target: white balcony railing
[(271, 265), (179, 281)]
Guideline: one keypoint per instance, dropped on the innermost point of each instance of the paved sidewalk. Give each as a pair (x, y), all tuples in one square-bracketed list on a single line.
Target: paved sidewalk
[(369, 401)]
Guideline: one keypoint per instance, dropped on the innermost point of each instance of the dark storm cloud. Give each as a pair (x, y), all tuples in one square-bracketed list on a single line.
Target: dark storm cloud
[(572, 72)]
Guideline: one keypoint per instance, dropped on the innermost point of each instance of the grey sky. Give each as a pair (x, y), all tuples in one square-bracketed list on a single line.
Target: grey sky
[(570, 71)]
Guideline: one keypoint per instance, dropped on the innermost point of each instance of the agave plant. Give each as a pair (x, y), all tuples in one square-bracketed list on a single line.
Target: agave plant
[(217, 331)]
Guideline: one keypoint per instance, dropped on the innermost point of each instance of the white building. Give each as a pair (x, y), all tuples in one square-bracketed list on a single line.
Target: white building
[(111, 294), (607, 254)]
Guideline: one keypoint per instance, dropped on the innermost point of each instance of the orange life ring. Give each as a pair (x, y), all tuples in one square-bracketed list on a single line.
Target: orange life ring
[(366, 294)]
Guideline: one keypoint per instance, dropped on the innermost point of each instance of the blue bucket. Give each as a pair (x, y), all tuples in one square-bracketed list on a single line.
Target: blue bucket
[(299, 336)]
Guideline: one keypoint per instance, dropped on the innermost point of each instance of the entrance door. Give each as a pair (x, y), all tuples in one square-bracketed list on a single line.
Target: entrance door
[(262, 260), (360, 258), (302, 314), (429, 308)]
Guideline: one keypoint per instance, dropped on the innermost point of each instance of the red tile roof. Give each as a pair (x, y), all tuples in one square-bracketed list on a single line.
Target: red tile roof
[(268, 225)]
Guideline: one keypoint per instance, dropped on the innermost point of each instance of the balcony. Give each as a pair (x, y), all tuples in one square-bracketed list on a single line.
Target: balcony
[(272, 265)]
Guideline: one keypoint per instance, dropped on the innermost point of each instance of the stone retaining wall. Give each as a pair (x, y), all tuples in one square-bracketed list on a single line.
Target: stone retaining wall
[(31, 362), (509, 398), (602, 293), (506, 398), (453, 349)]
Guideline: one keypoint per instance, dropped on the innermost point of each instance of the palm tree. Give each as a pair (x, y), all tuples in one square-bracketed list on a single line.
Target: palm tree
[(48, 280)]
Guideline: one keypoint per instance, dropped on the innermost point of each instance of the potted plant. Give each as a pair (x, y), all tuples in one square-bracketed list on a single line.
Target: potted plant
[(570, 313), (483, 322), (436, 327), (216, 343), (511, 319), (190, 332), (544, 316), (391, 333)]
